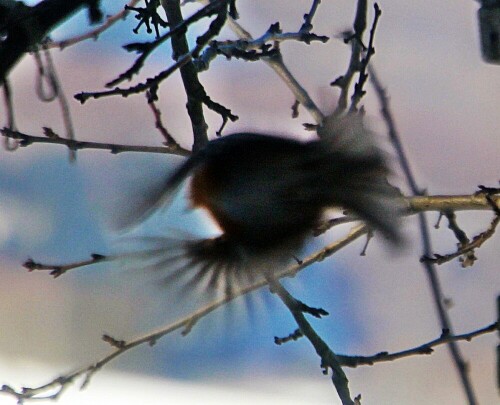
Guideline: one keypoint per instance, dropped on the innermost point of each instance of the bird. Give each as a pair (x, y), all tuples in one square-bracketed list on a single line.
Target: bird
[(267, 194)]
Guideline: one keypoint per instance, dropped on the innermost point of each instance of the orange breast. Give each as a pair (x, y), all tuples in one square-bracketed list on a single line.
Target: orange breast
[(205, 193), (203, 189)]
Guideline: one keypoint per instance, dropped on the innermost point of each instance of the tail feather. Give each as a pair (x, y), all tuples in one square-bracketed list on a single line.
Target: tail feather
[(355, 173), (198, 268)]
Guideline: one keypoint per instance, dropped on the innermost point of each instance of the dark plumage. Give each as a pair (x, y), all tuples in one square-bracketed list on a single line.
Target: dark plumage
[(267, 194)]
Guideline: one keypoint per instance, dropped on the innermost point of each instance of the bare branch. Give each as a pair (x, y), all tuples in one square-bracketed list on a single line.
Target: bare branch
[(355, 39), (276, 63), (465, 248), (196, 95), (431, 272), (148, 16), (9, 144), (141, 87), (57, 270), (169, 139), (363, 64), (26, 140), (295, 335), (266, 48), (307, 26), (426, 348), (328, 358), (468, 258), (477, 201), (442, 203), (146, 48), (48, 73), (93, 34), (252, 50), (60, 383)]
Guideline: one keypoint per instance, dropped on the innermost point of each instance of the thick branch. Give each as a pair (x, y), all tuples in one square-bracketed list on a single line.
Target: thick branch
[(25, 27), (194, 90), (442, 203), (328, 358)]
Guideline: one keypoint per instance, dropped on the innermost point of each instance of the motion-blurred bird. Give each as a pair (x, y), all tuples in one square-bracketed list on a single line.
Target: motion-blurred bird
[(267, 194)]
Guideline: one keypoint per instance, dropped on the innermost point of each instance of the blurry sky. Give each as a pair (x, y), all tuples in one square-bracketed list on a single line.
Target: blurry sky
[(446, 102)]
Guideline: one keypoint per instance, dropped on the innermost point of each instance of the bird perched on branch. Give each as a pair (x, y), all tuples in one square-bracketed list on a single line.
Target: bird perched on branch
[(267, 194)]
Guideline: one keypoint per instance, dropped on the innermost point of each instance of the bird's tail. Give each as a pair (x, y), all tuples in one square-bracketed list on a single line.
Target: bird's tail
[(194, 268), (354, 173)]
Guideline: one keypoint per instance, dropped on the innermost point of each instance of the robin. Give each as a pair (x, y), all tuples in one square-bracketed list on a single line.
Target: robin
[(267, 194)]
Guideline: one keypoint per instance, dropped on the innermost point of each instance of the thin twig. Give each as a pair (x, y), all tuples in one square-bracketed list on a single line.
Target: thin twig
[(57, 270), (468, 258), (169, 139), (344, 81), (295, 335), (426, 348), (93, 34), (265, 46), (330, 223), (433, 278), (49, 72), (26, 140), (455, 228), (307, 26), (141, 87), (363, 64), (466, 248), (276, 63)]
